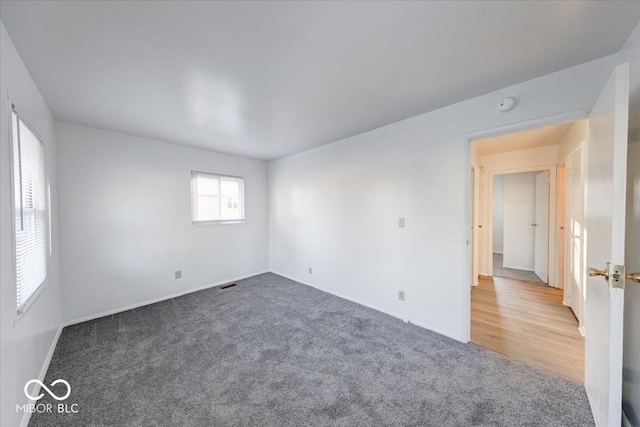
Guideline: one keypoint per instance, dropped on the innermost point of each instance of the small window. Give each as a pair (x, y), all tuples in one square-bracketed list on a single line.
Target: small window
[(216, 198), (30, 212)]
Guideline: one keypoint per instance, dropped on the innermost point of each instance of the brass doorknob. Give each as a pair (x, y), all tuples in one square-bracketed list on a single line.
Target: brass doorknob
[(634, 276), (595, 272)]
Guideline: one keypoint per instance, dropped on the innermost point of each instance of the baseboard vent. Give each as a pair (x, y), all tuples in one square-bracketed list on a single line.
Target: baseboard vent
[(228, 286)]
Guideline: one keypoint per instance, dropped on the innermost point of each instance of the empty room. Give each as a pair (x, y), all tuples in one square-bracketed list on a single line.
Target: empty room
[(288, 213)]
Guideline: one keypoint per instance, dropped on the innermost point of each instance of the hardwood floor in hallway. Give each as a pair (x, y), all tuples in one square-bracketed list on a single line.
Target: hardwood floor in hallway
[(528, 322)]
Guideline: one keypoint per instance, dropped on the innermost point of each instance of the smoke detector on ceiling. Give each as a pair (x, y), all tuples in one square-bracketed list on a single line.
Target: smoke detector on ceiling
[(506, 104)]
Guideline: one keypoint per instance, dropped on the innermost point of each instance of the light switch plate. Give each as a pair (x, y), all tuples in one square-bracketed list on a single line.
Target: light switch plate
[(401, 222), (178, 274), (401, 295)]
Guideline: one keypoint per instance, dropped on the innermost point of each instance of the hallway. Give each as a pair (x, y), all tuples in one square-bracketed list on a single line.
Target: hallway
[(528, 322), (500, 270)]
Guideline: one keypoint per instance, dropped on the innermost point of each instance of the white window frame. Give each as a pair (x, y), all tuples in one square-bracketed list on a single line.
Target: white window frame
[(219, 177), (19, 312)]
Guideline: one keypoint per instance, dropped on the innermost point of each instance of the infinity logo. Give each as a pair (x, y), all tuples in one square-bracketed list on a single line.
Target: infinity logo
[(52, 394)]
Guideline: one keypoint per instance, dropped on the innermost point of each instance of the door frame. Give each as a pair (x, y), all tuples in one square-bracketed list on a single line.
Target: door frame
[(467, 139), (551, 228), (567, 297), (561, 272), (473, 239)]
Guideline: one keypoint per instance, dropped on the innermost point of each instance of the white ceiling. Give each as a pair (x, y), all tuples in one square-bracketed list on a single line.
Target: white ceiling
[(534, 138), (269, 79)]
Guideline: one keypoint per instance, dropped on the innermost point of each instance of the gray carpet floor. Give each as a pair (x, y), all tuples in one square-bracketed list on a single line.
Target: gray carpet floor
[(511, 273), (273, 352)]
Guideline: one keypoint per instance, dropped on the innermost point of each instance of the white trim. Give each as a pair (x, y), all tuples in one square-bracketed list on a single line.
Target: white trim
[(43, 372), (219, 178), (568, 292), (517, 267), (156, 300), (539, 122), (468, 254), (561, 233), (371, 306), (436, 330), (19, 312), (625, 420), (217, 222), (567, 240)]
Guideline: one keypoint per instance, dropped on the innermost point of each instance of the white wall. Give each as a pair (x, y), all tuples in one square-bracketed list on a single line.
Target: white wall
[(631, 376), (126, 226), (519, 213), (335, 208), (25, 345), (534, 157), (569, 143), (498, 214)]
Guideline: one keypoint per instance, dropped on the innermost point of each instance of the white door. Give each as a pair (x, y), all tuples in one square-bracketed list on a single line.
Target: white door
[(575, 198), (541, 227), (519, 204), (604, 234)]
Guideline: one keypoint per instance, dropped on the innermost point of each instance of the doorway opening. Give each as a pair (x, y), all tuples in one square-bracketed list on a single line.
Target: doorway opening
[(521, 249), (520, 226)]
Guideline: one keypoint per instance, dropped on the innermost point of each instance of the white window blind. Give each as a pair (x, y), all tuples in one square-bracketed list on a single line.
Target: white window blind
[(216, 198), (30, 207)]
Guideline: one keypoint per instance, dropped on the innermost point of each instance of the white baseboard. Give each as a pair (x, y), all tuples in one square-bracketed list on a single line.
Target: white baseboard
[(516, 268), (581, 330), (155, 300), (26, 417), (382, 310), (438, 331), (625, 420)]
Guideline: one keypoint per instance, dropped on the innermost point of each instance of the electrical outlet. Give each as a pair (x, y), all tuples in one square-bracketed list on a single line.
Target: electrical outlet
[(401, 295), (401, 222), (178, 274), (310, 270)]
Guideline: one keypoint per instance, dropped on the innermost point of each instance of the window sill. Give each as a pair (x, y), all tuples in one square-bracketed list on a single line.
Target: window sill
[(20, 313), (217, 222)]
